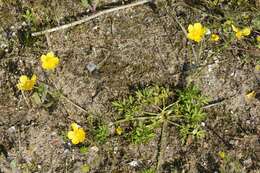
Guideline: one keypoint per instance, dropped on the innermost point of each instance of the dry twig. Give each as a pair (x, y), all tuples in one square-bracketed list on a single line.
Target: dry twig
[(89, 18)]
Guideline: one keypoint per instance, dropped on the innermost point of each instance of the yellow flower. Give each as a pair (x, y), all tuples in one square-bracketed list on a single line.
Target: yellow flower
[(240, 33), (26, 84), (49, 61), (214, 37), (222, 154), (257, 68), (250, 96), (77, 135), (119, 130), (258, 38), (196, 32)]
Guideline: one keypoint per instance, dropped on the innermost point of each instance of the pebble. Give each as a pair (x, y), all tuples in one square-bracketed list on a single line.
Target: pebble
[(134, 163), (11, 130), (91, 67)]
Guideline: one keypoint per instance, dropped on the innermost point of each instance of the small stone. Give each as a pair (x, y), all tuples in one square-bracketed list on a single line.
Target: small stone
[(11, 130), (134, 163), (91, 67), (248, 162), (24, 24)]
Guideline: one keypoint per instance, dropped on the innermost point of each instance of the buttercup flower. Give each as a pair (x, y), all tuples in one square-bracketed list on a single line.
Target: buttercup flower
[(26, 84), (214, 37), (49, 61), (241, 33), (77, 135), (119, 130), (258, 38), (196, 32), (222, 154), (257, 68)]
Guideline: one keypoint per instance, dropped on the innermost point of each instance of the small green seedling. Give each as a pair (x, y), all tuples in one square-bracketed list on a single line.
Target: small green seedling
[(102, 133), (150, 170), (44, 97), (83, 149), (86, 3), (150, 107), (29, 17)]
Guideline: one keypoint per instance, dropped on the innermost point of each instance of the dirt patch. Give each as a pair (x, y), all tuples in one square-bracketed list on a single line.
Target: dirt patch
[(133, 48)]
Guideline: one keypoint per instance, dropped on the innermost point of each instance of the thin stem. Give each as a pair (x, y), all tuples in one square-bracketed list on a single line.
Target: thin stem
[(67, 99), (200, 50), (194, 53), (74, 104), (151, 113), (173, 123), (162, 143), (26, 101), (186, 35), (170, 105), (135, 118)]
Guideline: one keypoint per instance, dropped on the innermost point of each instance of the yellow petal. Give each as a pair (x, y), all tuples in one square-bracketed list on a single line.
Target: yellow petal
[(71, 135), (43, 58), (246, 31), (258, 38), (222, 154), (74, 126), (81, 135), (50, 54), (23, 79), (190, 28), (239, 35), (197, 26), (119, 130), (75, 140), (214, 37), (34, 77)]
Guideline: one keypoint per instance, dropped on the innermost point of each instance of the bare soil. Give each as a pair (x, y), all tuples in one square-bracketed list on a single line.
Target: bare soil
[(134, 47)]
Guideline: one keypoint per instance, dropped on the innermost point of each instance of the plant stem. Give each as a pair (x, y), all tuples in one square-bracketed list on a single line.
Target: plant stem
[(135, 118), (173, 123), (167, 107), (74, 104), (26, 101), (151, 113)]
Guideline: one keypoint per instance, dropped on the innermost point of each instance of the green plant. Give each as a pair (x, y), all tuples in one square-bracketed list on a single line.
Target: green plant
[(142, 134), (150, 170), (29, 17), (85, 168), (189, 113), (86, 3), (83, 149), (102, 133), (150, 107), (44, 97)]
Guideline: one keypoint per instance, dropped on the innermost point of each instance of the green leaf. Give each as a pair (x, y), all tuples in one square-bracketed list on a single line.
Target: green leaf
[(83, 149), (85, 168), (36, 99), (85, 3)]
